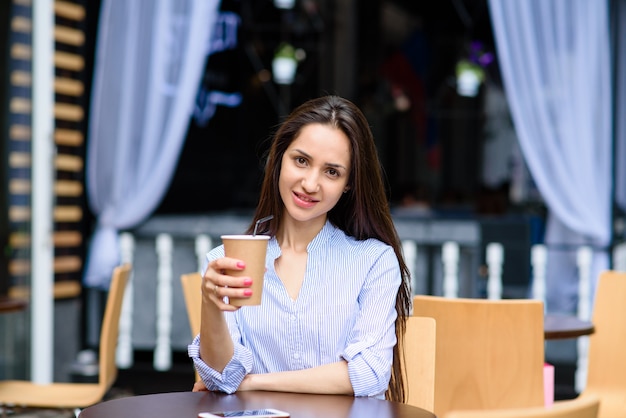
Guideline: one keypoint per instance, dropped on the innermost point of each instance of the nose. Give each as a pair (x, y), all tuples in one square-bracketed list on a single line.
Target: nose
[(310, 183)]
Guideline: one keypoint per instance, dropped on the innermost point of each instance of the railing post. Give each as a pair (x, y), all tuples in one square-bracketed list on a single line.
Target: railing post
[(495, 258), (538, 260), (124, 351), (202, 247), (584, 257), (619, 257), (409, 250), (163, 349), (450, 259)]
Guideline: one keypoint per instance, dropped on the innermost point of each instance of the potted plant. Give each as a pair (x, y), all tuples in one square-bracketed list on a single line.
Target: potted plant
[(284, 63)]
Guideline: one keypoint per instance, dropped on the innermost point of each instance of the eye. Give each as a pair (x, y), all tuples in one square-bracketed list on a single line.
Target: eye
[(300, 161), (333, 173)]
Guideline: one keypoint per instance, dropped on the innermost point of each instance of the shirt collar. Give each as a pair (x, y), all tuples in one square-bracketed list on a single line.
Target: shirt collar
[(327, 231), (322, 237)]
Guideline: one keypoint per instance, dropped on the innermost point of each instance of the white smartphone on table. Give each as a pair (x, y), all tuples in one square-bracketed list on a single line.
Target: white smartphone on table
[(257, 413)]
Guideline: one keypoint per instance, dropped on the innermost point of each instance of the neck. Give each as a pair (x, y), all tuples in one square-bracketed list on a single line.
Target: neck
[(297, 235)]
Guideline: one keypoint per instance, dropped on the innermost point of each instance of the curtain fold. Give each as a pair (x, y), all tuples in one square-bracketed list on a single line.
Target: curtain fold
[(554, 56), (150, 55), (620, 110)]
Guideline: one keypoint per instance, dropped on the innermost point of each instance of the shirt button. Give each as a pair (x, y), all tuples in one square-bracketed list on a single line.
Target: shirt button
[(293, 317), (296, 355)]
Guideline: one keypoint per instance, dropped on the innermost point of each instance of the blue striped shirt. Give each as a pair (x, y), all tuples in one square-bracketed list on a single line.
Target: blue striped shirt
[(345, 311)]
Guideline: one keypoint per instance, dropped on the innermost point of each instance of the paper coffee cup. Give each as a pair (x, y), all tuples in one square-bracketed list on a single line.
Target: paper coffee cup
[(251, 249)]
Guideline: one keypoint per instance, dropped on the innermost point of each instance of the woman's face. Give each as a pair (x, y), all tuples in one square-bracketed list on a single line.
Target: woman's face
[(314, 172)]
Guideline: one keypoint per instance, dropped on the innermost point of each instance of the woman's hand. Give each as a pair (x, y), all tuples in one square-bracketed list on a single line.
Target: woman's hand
[(217, 284), (199, 386), (246, 383), (331, 378)]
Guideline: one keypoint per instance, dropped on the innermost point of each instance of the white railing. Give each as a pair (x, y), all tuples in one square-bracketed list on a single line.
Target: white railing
[(450, 259), (166, 278)]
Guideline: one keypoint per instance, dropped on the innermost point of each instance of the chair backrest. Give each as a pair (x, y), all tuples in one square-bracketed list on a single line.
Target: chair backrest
[(586, 407), (489, 353), (606, 368), (419, 362), (110, 325), (191, 283)]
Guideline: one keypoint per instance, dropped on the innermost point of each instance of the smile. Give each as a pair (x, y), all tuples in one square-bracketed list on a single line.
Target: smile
[(304, 200)]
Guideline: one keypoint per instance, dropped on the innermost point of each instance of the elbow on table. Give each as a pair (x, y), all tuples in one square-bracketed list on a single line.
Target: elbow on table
[(369, 381)]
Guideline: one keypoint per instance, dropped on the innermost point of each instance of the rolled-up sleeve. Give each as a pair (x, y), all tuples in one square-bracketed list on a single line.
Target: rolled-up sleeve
[(230, 378), (369, 351)]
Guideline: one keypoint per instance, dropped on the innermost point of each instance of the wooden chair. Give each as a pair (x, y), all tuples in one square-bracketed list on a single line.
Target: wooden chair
[(576, 408), (191, 283), (489, 353), (77, 395), (606, 367), (419, 362)]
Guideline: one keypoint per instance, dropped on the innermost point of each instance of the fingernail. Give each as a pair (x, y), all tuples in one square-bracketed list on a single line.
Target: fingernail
[(247, 282), (247, 292), (240, 264)]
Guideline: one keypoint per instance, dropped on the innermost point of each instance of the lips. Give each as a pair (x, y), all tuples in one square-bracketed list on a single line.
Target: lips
[(304, 200)]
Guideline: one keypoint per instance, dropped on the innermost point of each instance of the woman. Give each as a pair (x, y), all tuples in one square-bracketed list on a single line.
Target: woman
[(336, 293)]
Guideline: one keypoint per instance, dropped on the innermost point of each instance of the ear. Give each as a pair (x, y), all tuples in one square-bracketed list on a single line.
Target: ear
[(345, 190)]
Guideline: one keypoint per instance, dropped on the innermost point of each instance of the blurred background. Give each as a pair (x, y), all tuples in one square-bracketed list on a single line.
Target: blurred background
[(146, 123)]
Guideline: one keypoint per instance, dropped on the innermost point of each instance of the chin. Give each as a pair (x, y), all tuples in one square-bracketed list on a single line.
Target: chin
[(305, 217)]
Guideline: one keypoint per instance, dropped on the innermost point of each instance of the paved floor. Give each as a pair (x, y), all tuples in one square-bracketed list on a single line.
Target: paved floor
[(140, 379), (39, 413), (56, 413)]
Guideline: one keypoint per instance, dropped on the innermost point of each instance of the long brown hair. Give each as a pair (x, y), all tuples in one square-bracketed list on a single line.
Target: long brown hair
[(363, 212)]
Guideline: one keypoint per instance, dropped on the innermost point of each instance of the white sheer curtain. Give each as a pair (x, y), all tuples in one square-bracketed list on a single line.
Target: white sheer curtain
[(620, 91), (149, 61), (554, 57)]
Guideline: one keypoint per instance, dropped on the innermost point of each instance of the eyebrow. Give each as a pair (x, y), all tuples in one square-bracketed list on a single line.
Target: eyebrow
[(310, 158)]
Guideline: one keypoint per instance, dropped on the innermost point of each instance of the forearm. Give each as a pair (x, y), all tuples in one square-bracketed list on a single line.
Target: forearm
[(216, 345), (330, 378)]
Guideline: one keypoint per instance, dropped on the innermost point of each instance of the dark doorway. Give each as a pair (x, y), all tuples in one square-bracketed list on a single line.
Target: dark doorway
[(402, 50)]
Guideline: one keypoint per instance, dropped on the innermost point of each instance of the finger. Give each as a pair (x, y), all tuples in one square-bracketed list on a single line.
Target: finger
[(215, 275), (232, 292), (221, 301), (221, 305), (227, 263)]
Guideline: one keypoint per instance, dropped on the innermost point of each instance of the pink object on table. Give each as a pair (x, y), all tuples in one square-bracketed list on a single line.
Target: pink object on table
[(548, 384)]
